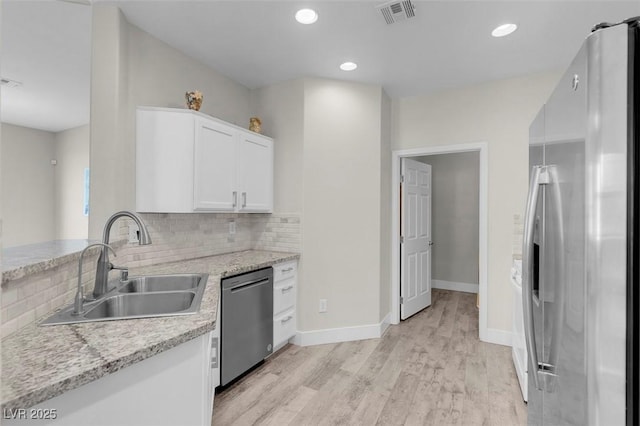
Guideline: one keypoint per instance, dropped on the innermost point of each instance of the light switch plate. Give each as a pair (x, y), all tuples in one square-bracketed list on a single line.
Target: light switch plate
[(322, 306), (232, 227)]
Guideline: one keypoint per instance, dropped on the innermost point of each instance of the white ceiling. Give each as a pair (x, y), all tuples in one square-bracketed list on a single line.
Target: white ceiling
[(258, 43), (46, 45)]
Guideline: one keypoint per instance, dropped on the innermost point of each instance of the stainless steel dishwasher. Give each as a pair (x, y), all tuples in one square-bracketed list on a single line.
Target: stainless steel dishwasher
[(247, 322)]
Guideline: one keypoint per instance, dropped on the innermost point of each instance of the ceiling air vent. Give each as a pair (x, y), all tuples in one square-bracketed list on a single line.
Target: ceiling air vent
[(395, 11), (5, 82)]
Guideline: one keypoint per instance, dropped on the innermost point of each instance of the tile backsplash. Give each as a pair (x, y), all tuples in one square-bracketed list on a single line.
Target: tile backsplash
[(174, 237), (518, 232)]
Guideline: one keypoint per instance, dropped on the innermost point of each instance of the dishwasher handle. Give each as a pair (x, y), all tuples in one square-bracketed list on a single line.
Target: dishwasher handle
[(247, 285)]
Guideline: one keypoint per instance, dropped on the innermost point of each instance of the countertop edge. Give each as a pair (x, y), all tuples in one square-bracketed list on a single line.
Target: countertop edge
[(38, 267)]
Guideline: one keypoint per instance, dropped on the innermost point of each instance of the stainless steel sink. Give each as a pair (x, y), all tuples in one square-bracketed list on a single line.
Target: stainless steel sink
[(161, 283), (141, 305), (141, 297)]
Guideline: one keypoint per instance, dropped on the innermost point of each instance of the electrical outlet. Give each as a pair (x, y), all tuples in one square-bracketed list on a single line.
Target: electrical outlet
[(323, 306), (232, 227), (134, 234)]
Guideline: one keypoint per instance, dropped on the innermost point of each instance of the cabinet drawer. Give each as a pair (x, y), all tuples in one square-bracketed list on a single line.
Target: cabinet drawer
[(284, 295), (284, 328), (285, 270)]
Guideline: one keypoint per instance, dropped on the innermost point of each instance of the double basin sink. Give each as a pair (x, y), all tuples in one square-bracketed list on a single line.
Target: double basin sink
[(141, 297)]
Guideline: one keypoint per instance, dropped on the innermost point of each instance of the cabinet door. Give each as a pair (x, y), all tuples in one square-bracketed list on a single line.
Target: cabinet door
[(255, 173), (164, 161), (215, 169)]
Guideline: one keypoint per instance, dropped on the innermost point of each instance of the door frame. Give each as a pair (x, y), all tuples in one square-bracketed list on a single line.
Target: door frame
[(483, 188)]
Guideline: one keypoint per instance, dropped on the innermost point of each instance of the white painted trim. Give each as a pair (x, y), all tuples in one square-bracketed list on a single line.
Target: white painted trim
[(499, 337), (342, 334), (483, 184), (384, 325), (455, 286)]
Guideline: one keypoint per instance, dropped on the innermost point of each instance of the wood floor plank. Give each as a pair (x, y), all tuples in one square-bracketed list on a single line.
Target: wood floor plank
[(285, 414), (315, 412), (243, 399), (288, 384), (361, 350), (396, 409), (431, 369), (446, 325), (370, 407), (327, 366)]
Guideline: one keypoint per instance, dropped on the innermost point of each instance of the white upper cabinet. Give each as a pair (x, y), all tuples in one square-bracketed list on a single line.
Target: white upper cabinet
[(187, 161), (215, 175), (255, 173)]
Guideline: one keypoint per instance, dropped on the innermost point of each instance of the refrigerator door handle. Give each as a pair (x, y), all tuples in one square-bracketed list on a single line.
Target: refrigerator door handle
[(547, 371), (539, 177)]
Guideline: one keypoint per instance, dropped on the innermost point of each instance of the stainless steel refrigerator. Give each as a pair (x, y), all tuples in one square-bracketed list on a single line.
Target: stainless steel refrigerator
[(581, 242)]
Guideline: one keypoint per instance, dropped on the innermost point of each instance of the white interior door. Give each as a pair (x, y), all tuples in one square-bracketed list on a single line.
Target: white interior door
[(415, 240)]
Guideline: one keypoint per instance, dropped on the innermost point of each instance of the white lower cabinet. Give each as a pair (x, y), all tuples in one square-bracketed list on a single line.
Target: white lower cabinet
[(284, 303), (171, 388), (284, 328)]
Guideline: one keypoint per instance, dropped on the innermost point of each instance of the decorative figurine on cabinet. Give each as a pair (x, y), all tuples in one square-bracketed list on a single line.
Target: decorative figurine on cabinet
[(194, 100), (254, 125)]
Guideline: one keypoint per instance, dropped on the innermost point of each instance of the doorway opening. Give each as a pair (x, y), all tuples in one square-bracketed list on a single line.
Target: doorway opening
[(462, 278)]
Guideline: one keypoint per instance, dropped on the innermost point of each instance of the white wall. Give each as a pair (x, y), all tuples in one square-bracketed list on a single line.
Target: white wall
[(498, 113), (332, 150), (72, 156), (385, 207), (132, 68), (341, 208), (28, 185), (455, 216), (281, 110), (110, 157)]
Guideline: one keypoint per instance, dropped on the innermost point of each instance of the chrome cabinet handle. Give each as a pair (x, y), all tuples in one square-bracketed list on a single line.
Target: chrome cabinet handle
[(288, 269), (285, 289), (287, 319), (527, 270), (214, 352), (235, 198), (244, 199)]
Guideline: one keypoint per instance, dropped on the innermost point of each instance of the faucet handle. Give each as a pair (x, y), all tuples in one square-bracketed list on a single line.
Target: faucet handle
[(124, 271)]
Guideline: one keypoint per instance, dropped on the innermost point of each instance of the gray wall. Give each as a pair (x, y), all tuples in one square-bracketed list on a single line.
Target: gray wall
[(28, 185), (455, 216), (72, 155), (43, 202)]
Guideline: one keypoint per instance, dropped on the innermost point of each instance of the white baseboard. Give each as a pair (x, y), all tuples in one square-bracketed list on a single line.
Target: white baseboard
[(452, 285), (342, 334), (498, 337)]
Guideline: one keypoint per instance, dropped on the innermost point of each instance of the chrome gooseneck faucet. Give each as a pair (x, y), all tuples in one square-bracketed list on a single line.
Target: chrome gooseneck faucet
[(104, 265)]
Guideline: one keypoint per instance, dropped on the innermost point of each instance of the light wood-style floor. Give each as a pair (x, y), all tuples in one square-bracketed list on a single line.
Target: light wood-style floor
[(429, 370)]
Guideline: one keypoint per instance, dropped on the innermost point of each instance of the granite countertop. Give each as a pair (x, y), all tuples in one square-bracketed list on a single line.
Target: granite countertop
[(39, 363), (31, 259)]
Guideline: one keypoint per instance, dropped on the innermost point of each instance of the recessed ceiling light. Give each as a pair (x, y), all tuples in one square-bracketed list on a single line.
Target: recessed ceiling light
[(504, 30), (306, 16), (348, 66)]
